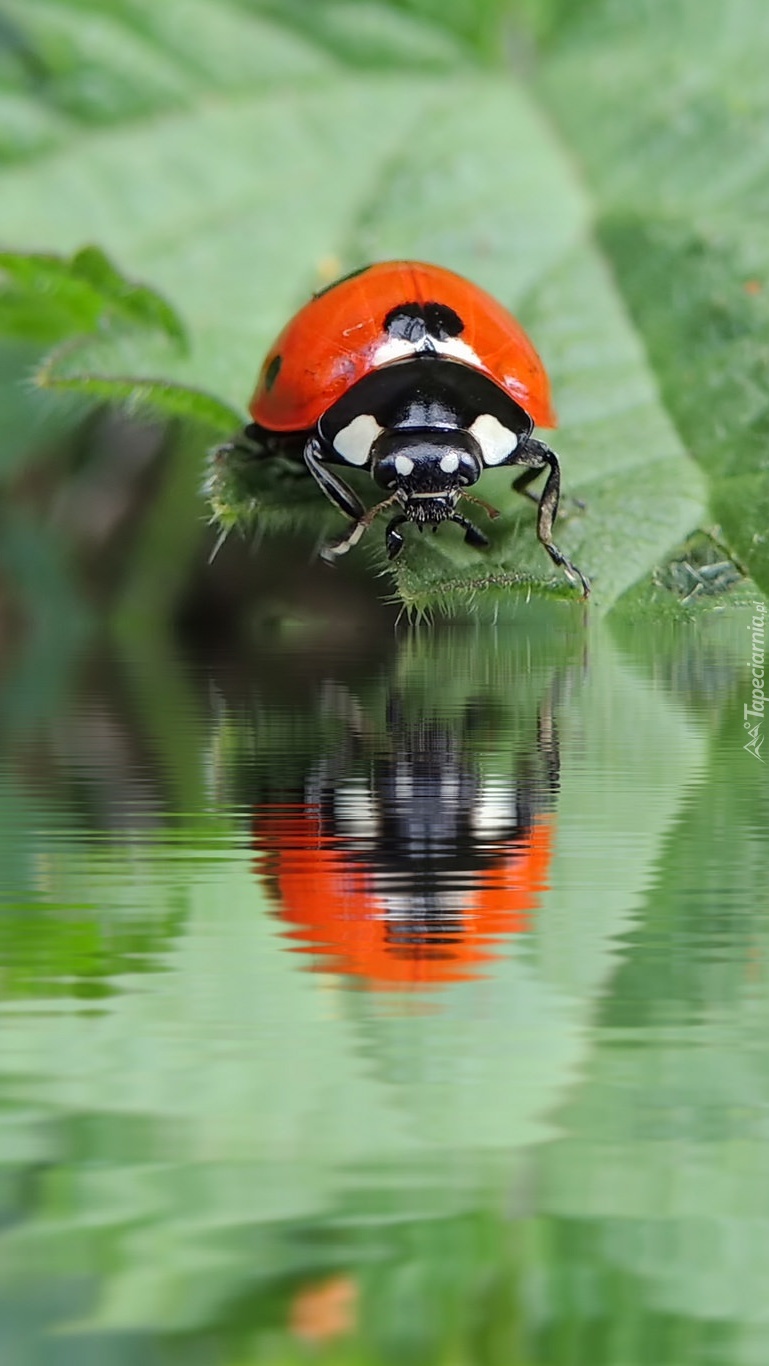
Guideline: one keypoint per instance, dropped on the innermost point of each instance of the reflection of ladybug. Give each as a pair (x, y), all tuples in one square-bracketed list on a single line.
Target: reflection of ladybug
[(419, 377), (411, 875)]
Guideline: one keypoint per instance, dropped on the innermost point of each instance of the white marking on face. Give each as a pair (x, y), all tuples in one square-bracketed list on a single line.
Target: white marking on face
[(354, 442), (496, 442), (449, 462), (404, 464)]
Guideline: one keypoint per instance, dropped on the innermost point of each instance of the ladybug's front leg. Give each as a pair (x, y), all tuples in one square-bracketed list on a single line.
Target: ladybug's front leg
[(336, 490), (341, 495), (538, 456), (342, 544)]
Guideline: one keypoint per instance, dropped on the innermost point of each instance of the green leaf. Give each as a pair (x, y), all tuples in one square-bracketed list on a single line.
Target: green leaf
[(677, 166), (117, 324), (27, 128), (367, 33), (50, 293)]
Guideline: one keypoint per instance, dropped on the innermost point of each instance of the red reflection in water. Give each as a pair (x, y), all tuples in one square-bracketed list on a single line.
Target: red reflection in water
[(392, 925)]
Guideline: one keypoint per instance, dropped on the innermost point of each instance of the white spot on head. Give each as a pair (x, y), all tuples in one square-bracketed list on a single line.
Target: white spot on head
[(496, 442), (354, 442), (449, 462), (404, 464)]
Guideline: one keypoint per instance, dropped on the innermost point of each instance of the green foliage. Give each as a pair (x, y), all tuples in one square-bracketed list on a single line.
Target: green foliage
[(43, 295), (680, 181), (625, 238)]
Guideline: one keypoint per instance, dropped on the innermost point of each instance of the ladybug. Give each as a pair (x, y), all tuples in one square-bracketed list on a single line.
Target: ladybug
[(422, 379)]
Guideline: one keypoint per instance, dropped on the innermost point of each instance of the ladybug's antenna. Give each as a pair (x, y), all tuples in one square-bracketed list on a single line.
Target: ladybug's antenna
[(488, 508)]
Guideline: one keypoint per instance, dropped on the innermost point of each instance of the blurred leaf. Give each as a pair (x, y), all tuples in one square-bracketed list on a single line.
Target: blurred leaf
[(105, 62), (479, 24), (79, 294), (27, 128), (374, 34), (29, 418), (668, 109)]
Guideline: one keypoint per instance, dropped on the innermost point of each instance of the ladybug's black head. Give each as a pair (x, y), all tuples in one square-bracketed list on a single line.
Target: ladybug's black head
[(428, 468)]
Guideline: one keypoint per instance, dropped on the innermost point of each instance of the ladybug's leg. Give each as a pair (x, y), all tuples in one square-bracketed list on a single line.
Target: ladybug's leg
[(526, 477), (393, 538), (340, 546), (521, 484), (539, 456), (335, 489), (472, 535), (342, 496)]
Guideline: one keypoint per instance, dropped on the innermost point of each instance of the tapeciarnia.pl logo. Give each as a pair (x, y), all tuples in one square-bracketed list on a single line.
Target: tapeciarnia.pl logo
[(753, 715)]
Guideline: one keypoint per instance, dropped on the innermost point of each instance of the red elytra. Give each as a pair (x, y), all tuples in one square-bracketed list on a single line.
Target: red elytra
[(339, 337)]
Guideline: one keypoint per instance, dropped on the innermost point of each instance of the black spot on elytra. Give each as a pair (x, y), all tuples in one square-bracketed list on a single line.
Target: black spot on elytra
[(413, 322), (360, 270), (272, 372)]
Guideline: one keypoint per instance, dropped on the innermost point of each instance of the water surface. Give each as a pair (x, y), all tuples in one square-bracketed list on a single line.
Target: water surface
[(396, 1004)]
